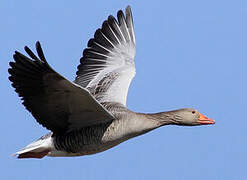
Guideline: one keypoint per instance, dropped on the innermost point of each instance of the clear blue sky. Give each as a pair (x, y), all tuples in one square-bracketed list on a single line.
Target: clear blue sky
[(189, 54)]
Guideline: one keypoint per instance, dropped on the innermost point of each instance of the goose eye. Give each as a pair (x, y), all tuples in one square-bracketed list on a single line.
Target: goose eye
[(193, 112)]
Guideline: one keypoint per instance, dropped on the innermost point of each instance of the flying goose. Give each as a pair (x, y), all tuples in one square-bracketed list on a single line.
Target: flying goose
[(89, 115)]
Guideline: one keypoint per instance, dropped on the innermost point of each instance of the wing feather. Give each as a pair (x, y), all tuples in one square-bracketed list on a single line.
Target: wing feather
[(107, 66), (56, 103)]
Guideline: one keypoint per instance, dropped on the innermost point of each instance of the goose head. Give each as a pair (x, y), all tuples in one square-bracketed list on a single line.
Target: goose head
[(188, 117)]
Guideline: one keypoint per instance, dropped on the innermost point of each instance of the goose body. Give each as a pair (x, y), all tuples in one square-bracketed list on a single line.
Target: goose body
[(89, 115), (98, 138)]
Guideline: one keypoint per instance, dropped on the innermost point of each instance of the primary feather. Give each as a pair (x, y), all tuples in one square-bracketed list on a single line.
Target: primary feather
[(108, 62)]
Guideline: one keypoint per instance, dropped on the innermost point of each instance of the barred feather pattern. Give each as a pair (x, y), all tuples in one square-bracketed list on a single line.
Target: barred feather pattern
[(97, 138), (81, 140)]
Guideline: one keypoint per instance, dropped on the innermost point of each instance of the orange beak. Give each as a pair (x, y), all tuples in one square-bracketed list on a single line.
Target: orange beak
[(205, 120)]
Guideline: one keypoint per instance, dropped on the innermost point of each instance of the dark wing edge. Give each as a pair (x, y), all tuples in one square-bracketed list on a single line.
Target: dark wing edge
[(45, 94), (26, 76)]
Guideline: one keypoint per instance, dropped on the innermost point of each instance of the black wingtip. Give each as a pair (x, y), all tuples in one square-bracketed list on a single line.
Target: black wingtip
[(37, 43), (11, 79), (17, 52), (120, 14), (40, 52), (27, 49), (16, 55), (30, 53), (90, 42), (110, 17), (10, 71), (104, 24), (11, 64)]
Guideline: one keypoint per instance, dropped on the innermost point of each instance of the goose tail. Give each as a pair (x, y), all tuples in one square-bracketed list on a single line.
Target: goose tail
[(36, 149)]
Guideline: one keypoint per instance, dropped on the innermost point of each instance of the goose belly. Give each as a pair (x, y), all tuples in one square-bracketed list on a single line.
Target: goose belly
[(86, 150), (86, 141)]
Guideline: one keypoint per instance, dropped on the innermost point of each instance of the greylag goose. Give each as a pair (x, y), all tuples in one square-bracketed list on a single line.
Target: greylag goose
[(89, 115)]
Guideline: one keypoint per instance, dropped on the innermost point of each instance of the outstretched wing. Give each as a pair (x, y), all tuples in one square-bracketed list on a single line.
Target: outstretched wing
[(56, 103), (107, 66)]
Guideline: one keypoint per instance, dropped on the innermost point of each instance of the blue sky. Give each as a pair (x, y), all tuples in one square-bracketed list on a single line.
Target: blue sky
[(189, 54)]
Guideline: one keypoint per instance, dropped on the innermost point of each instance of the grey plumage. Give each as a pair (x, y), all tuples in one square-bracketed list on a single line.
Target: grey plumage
[(89, 115), (55, 102)]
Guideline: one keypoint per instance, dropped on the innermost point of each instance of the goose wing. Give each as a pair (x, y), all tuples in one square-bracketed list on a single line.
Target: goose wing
[(107, 66), (55, 102)]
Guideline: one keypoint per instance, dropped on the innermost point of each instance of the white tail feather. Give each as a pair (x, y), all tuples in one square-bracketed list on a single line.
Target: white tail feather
[(36, 148)]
